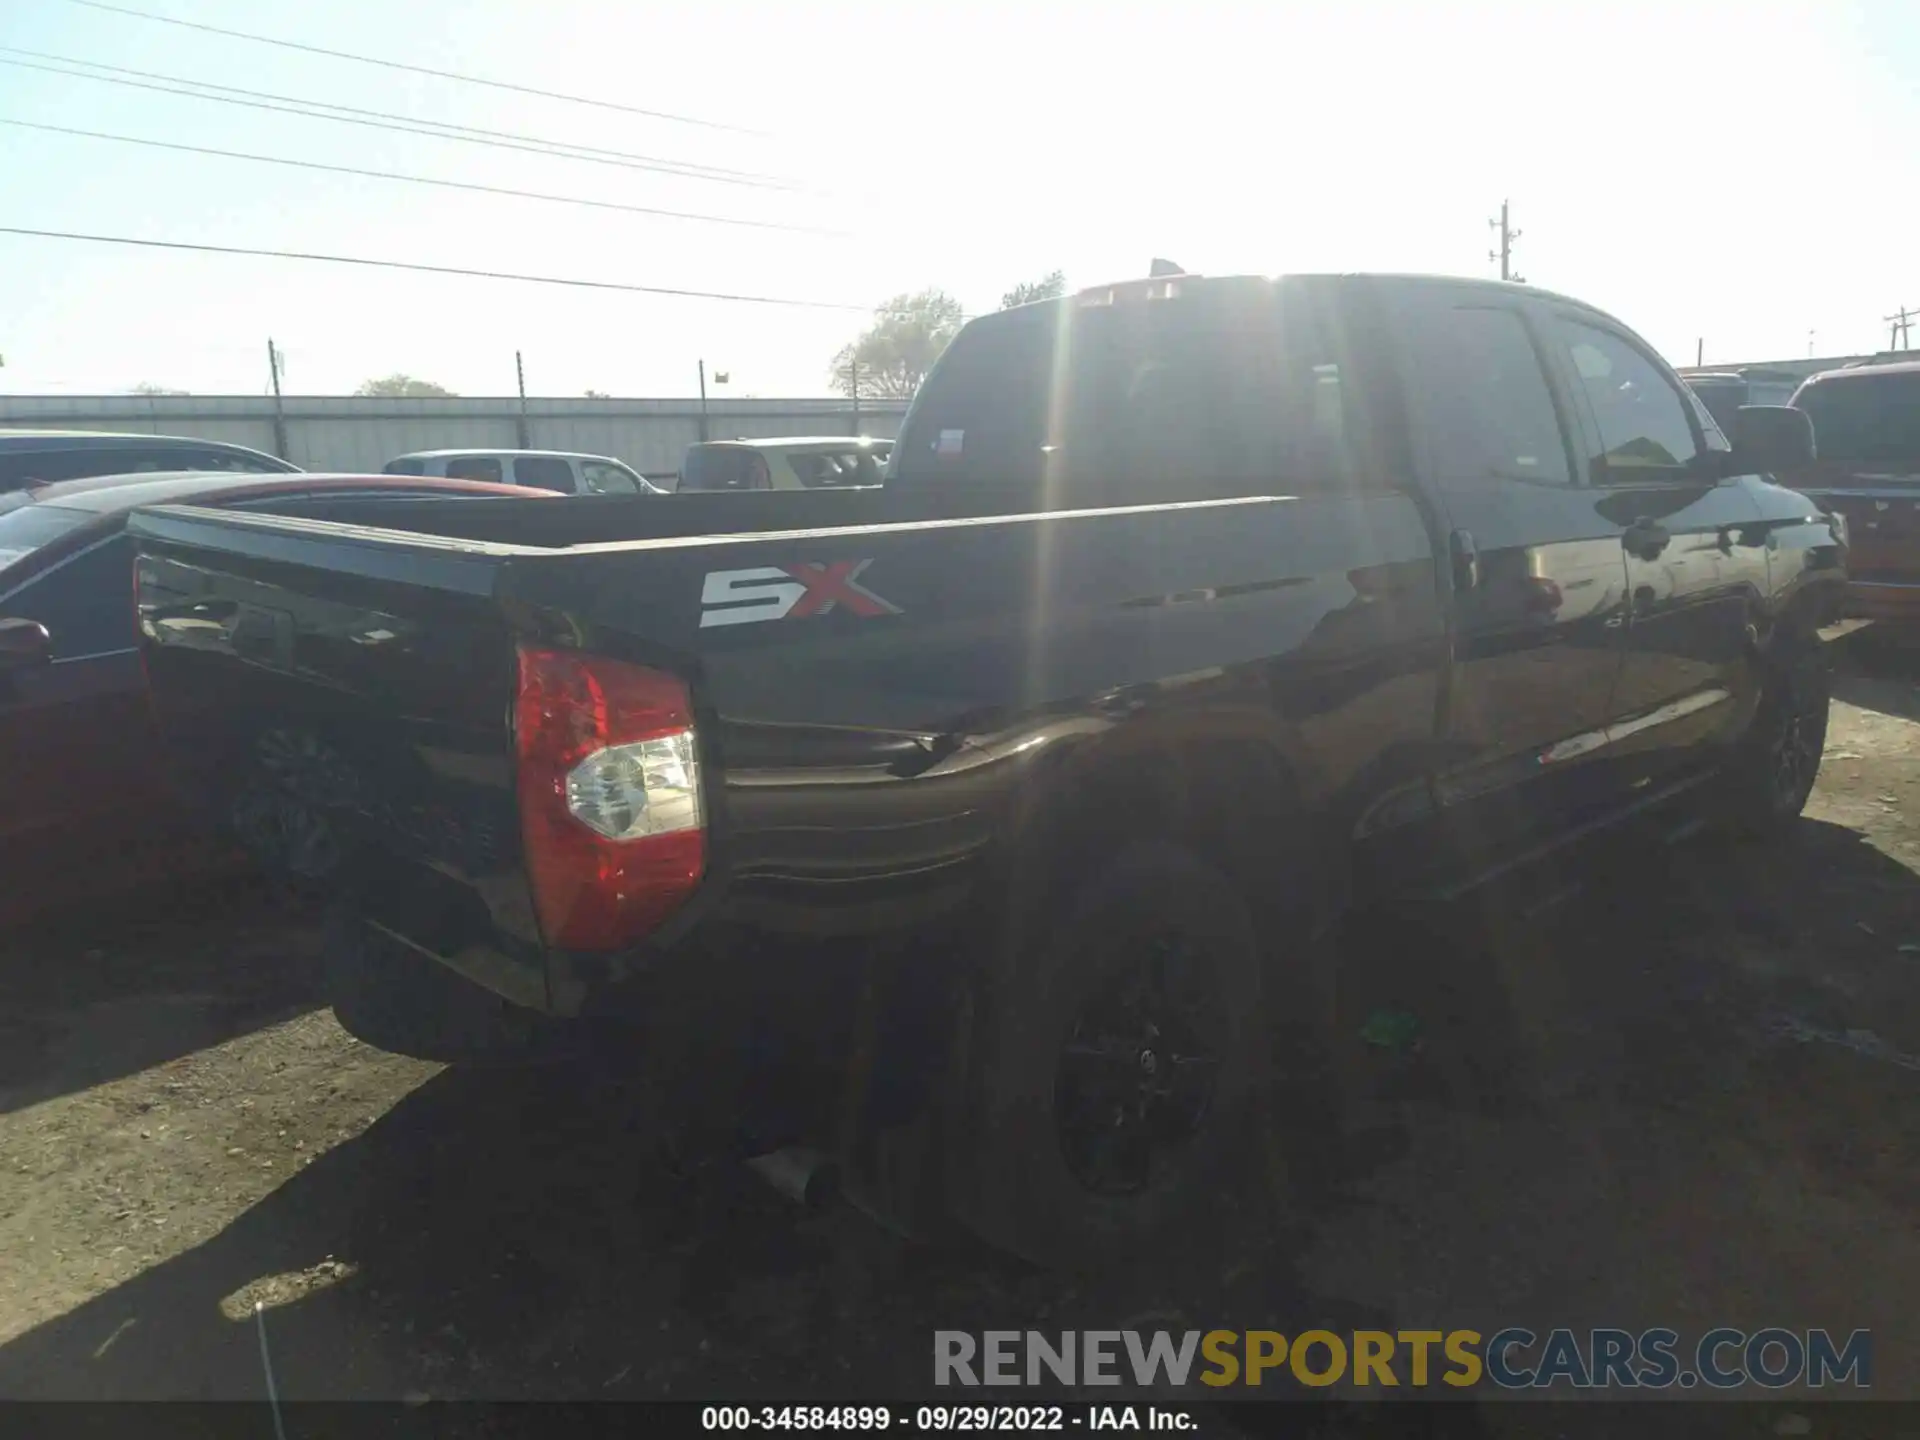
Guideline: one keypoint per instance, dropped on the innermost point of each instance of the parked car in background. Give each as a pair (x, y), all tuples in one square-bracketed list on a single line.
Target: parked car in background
[(1042, 810), (1866, 427), (1722, 394), (81, 801), (560, 471), (806, 462), (45, 457)]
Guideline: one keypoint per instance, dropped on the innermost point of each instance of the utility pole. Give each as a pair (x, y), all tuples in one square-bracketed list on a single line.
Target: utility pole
[(279, 407), (1504, 254), (1901, 321), (523, 429), (703, 402), (1700, 353)]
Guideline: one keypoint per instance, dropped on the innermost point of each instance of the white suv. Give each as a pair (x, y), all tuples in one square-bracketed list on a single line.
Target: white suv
[(806, 462), (536, 469)]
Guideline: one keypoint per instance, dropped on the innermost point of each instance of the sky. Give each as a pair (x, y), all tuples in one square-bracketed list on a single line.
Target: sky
[(1732, 175)]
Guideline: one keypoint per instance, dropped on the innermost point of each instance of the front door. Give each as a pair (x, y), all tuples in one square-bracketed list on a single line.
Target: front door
[(1694, 547), (1539, 577)]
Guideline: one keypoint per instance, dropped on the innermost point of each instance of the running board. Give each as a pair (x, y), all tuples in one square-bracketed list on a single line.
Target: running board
[(1527, 859)]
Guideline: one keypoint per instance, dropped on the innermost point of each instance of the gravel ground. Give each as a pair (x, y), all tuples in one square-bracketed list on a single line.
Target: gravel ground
[(1687, 1097)]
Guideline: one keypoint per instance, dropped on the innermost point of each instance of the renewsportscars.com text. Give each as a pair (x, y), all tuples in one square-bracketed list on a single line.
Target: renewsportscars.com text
[(1511, 1359)]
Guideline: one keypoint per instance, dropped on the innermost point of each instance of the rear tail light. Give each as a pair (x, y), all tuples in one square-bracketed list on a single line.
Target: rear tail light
[(610, 806)]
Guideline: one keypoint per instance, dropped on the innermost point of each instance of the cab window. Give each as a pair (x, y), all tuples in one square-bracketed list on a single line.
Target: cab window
[(474, 467), (1643, 423)]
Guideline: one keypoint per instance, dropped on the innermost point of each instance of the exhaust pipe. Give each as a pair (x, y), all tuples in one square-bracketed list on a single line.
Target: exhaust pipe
[(804, 1176)]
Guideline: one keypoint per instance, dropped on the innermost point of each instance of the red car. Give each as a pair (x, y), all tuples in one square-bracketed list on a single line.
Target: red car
[(82, 806), (1866, 434)]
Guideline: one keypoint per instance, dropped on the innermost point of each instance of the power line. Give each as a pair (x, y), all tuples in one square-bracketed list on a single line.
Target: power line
[(435, 269), (384, 120), (418, 179), (416, 69)]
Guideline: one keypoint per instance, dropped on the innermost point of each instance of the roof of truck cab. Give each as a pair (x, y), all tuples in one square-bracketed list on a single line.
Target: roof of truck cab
[(791, 442), (504, 454), (1824, 377), (1396, 277)]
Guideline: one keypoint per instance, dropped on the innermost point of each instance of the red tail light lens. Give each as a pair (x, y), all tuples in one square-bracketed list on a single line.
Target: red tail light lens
[(610, 806)]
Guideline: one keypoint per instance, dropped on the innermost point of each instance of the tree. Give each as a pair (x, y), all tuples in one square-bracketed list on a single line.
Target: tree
[(1050, 286), (403, 386), (598, 395), (890, 358), (147, 387)]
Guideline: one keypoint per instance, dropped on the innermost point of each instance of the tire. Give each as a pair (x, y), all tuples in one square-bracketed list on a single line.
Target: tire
[(1772, 774), (1036, 1174), (395, 999)]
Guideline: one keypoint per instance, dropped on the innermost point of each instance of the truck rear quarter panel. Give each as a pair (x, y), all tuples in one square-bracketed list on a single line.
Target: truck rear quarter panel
[(866, 755)]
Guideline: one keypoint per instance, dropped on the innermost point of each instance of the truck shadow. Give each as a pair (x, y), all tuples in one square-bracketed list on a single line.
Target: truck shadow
[(1879, 670), (516, 1235), (89, 994)]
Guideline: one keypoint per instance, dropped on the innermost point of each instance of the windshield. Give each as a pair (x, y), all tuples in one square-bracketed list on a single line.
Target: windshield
[(25, 527), (1868, 419)]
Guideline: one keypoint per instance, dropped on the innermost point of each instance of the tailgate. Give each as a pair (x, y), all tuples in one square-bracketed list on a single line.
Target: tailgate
[(341, 699)]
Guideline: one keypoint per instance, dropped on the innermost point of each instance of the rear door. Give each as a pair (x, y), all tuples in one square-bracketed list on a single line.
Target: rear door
[(1539, 578), (1694, 549), (545, 472)]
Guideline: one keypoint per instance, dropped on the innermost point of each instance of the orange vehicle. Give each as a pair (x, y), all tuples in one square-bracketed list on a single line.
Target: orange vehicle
[(1866, 424)]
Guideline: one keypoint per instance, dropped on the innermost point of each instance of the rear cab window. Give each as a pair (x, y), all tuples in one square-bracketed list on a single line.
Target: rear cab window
[(1230, 388)]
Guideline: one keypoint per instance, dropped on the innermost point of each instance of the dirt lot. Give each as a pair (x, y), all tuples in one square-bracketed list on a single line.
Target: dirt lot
[(1686, 1098)]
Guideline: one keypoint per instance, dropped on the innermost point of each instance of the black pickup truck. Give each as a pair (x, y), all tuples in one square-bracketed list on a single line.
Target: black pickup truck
[(1191, 614)]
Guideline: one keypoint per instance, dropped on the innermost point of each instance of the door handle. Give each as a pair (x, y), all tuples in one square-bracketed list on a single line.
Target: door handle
[(1645, 539), (1464, 556)]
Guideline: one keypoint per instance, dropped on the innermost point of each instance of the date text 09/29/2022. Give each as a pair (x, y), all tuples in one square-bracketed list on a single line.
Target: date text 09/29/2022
[(933, 1419)]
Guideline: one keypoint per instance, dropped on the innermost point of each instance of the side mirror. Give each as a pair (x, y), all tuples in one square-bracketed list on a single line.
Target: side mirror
[(1767, 438), (24, 644)]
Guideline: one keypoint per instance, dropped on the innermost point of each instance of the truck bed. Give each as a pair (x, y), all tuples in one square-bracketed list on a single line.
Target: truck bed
[(873, 700)]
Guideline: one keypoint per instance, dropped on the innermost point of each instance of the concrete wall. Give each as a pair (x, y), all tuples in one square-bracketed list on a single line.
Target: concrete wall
[(361, 434)]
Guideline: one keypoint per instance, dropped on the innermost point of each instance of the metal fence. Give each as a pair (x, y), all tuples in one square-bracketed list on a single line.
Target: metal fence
[(352, 433)]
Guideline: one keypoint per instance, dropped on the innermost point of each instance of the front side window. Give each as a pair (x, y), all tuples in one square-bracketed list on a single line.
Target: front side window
[(602, 478), (24, 528), (831, 469), (85, 601), (474, 467), (405, 467), (1642, 420), (541, 472), (1484, 400)]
